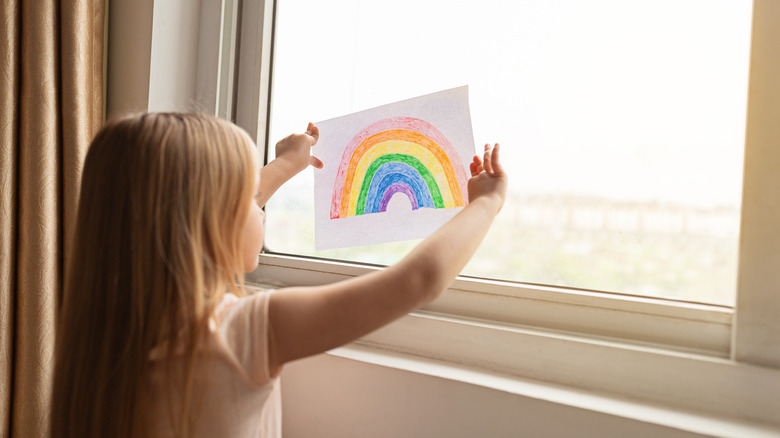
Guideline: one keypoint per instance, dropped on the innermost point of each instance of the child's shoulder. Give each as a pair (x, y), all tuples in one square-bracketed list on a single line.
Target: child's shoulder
[(225, 303), (231, 307)]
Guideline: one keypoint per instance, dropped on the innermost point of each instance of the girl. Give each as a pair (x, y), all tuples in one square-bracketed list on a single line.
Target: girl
[(153, 339)]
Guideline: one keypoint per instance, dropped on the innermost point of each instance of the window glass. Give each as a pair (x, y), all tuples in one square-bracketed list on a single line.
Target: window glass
[(621, 122)]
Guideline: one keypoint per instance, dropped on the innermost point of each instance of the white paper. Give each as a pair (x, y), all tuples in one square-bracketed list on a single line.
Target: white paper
[(394, 172)]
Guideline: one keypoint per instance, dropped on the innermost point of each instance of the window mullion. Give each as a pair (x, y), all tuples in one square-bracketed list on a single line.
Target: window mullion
[(756, 337), (254, 68)]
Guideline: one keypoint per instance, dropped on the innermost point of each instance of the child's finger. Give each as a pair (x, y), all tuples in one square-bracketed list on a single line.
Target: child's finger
[(476, 166), (313, 131), (487, 161), (498, 169), (316, 162)]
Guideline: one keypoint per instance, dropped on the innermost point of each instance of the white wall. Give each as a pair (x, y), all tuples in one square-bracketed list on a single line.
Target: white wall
[(129, 56), (153, 56), (329, 396)]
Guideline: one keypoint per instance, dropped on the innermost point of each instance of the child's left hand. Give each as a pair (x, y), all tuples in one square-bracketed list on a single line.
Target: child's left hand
[(293, 154), (295, 149)]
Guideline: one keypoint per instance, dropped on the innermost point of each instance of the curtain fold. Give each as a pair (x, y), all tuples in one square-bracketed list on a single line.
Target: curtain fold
[(51, 104), (9, 83)]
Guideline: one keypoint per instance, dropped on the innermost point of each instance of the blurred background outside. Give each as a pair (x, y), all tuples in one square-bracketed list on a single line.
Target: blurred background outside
[(622, 126)]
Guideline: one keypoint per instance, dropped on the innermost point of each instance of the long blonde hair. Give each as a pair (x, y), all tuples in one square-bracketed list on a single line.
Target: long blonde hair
[(163, 201)]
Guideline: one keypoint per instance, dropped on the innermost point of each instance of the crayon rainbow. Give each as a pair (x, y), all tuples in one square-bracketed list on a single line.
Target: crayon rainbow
[(398, 155)]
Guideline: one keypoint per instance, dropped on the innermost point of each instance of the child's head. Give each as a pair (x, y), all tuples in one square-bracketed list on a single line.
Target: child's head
[(177, 189), (166, 224)]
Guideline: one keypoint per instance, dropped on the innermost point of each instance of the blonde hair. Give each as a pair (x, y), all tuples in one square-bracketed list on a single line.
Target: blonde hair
[(163, 201)]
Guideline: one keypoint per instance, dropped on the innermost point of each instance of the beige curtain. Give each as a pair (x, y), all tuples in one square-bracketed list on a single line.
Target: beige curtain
[(51, 104)]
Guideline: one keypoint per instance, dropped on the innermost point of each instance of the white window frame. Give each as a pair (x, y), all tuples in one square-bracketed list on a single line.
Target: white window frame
[(716, 361)]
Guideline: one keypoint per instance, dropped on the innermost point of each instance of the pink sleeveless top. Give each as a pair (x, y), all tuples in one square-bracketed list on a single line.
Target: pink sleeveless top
[(233, 394)]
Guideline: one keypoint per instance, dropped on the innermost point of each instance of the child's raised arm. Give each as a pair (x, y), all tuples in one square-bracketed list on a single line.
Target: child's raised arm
[(310, 320), (293, 154)]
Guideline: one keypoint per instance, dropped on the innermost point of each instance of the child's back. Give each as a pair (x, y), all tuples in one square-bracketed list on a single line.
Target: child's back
[(233, 392)]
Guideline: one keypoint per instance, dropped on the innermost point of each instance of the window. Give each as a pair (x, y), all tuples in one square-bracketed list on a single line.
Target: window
[(622, 123), (579, 341)]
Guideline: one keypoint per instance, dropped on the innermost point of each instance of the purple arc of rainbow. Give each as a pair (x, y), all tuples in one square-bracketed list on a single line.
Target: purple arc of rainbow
[(398, 188)]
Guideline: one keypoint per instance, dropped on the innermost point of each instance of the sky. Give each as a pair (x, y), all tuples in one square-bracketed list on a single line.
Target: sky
[(640, 100)]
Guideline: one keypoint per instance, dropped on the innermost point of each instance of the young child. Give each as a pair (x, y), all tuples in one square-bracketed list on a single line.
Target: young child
[(153, 339)]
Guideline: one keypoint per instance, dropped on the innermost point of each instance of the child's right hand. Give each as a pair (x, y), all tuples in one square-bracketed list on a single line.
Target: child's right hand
[(488, 178)]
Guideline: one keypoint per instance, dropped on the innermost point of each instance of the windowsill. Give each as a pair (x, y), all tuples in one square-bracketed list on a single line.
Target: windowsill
[(624, 352), (664, 415), (713, 386)]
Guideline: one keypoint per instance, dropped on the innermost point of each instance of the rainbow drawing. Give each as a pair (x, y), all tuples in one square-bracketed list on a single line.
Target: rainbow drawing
[(398, 155)]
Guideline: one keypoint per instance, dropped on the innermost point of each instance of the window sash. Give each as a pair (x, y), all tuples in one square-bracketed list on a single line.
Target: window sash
[(689, 327)]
